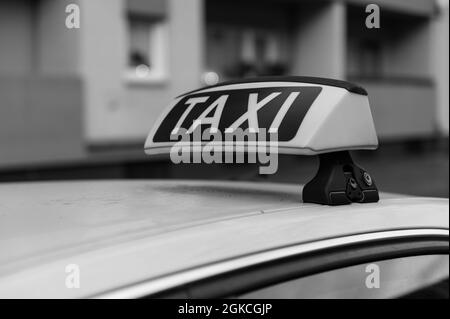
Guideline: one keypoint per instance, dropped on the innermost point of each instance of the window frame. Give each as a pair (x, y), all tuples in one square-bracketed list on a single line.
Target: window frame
[(158, 52), (247, 273)]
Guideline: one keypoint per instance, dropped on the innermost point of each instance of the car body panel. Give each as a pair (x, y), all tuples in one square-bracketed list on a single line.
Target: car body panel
[(122, 232)]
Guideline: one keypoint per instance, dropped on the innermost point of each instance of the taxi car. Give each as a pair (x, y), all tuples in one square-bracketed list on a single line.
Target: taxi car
[(217, 239)]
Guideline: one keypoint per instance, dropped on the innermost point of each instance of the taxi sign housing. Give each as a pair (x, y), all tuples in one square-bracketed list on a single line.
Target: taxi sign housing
[(310, 116)]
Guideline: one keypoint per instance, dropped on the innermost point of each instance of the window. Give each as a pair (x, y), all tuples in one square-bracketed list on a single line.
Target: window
[(418, 276), (393, 264), (249, 51), (147, 50), (370, 63), (261, 53)]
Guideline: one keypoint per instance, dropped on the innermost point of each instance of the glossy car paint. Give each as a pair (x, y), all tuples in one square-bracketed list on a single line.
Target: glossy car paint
[(122, 232)]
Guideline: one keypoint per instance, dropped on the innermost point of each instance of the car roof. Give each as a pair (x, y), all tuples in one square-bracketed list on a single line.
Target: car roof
[(91, 222), (40, 217)]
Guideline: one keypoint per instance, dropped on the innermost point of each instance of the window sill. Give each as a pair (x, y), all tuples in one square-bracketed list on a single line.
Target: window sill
[(146, 81)]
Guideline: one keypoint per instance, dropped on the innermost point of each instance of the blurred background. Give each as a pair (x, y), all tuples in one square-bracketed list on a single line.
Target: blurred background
[(77, 103)]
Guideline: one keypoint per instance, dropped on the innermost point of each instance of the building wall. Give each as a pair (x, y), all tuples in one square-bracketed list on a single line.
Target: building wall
[(40, 120), (440, 65), (62, 91), (320, 42), (409, 53), (16, 37), (394, 64), (57, 49), (102, 63), (40, 93), (116, 110), (402, 110)]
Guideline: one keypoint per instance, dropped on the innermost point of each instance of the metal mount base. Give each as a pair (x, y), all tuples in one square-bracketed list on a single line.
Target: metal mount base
[(339, 181)]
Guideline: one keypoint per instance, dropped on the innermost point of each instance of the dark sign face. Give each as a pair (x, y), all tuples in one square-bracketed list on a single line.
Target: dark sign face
[(279, 108)]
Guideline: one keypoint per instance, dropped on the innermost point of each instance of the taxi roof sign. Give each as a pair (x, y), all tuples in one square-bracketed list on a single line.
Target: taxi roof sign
[(307, 116), (310, 115)]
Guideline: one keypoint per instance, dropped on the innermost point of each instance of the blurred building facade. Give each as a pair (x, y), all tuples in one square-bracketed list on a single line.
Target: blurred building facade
[(75, 94)]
